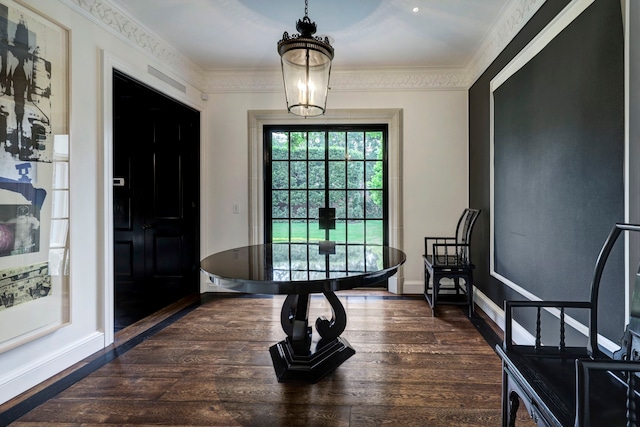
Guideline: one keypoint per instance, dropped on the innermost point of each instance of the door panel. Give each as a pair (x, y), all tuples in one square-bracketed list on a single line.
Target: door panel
[(123, 261), (168, 185), (166, 262)]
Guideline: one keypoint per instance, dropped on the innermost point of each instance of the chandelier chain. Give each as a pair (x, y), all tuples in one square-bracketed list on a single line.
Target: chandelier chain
[(306, 7)]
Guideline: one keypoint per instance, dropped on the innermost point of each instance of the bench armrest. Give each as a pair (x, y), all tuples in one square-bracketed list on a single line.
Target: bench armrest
[(583, 371), (539, 305)]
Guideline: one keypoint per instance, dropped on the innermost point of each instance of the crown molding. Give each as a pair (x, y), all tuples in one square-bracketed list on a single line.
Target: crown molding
[(116, 21), (421, 78), (508, 24), (342, 80)]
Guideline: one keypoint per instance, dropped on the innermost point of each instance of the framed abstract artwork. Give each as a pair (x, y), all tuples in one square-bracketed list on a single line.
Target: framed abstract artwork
[(34, 175)]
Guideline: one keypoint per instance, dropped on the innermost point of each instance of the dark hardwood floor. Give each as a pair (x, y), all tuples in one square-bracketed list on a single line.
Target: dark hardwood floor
[(204, 361), (132, 306)]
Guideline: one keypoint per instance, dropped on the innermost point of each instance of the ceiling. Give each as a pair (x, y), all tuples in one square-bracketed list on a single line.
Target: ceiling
[(243, 34)]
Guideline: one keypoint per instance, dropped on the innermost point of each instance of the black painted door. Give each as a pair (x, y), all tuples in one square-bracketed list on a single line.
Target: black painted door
[(156, 198)]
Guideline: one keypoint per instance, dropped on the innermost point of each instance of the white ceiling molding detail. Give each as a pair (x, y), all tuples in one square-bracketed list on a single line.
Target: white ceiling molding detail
[(243, 81), (342, 80), (117, 22), (401, 79), (113, 19), (505, 29)]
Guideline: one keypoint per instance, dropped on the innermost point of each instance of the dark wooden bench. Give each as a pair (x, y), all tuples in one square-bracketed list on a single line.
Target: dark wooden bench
[(573, 386)]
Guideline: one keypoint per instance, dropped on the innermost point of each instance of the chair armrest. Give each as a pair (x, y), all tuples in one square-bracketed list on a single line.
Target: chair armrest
[(583, 371), (450, 254), (539, 305), (440, 238), (430, 241)]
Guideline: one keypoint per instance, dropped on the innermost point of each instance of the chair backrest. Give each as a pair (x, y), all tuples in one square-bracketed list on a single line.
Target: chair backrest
[(465, 225)]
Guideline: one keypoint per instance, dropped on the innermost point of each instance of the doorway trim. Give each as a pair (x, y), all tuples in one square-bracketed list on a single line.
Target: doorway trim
[(392, 117), (109, 62)]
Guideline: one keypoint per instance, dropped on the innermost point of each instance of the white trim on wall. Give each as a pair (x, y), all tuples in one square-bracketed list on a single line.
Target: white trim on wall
[(257, 119), (108, 63), (35, 371)]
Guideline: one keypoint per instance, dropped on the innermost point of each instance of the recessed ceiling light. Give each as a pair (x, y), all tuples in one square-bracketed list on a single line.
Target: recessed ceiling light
[(416, 9)]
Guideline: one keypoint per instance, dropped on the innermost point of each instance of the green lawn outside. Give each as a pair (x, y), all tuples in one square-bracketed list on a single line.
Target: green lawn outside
[(356, 230)]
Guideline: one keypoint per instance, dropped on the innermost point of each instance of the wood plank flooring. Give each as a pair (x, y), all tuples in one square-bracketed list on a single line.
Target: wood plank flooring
[(211, 367)]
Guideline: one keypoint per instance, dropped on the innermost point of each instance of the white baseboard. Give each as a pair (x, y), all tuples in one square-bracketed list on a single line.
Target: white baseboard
[(17, 381), (520, 335), (413, 287)]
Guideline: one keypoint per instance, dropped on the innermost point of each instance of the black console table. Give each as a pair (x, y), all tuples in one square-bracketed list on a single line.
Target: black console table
[(298, 270)]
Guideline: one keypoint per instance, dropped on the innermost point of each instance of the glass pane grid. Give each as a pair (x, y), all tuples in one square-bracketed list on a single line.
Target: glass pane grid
[(339, 169)]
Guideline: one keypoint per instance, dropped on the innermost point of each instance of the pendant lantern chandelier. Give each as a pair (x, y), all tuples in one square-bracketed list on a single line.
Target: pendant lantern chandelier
[(306, 68)]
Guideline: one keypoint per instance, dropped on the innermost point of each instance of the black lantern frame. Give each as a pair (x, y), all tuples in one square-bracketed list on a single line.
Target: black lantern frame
[(306, 68)]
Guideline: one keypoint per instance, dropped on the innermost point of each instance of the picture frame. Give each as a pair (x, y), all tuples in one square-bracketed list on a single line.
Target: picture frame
[(34, 175)]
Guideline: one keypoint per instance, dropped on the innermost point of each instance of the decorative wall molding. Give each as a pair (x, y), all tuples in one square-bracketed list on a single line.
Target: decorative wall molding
[(116, 21)]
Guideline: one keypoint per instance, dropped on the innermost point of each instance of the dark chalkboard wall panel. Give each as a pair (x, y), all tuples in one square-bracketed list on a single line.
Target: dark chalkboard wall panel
[(559, 164)]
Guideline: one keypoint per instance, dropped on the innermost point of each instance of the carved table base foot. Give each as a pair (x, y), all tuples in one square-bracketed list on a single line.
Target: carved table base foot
[(311, 368)]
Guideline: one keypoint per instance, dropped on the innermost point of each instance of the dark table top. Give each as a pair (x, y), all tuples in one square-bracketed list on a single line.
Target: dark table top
[(301, 268)]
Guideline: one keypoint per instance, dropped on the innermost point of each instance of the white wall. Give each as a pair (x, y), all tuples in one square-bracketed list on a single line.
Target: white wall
[(37, 360), (434, 156), (435, 177)]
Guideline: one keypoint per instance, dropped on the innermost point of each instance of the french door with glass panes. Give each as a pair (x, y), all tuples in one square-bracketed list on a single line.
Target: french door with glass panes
[(326, 183)]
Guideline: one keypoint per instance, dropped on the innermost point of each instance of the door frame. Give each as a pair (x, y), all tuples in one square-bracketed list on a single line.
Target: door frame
[(392, 117), (109, 62)]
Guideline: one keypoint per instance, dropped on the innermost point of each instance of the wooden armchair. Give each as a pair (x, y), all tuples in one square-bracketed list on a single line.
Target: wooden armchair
[(450, 258)]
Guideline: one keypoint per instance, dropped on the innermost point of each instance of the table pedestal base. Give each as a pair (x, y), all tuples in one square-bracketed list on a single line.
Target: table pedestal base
[(311, 368)]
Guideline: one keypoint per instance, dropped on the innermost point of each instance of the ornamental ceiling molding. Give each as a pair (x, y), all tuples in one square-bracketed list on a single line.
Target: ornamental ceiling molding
[(427, 78), (505, 29), (117, 22), (342, 80)]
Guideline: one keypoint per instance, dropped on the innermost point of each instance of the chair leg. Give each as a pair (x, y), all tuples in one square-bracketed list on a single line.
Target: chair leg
[(434, 293), (430, 292), (469, 283), (427, 276)]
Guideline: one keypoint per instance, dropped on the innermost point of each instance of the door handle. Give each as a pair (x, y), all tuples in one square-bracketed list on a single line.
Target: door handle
[(148, 226)]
